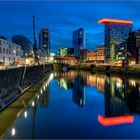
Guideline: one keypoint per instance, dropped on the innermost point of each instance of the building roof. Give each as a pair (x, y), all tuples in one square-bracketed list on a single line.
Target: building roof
[(107, 20)]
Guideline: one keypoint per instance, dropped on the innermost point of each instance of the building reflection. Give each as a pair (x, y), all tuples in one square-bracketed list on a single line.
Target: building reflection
[(75, 82), (121, 94), (66, 75), (133, 95), (65, 83), (115, 97), (78, 95), (96, 80), (121, 101)]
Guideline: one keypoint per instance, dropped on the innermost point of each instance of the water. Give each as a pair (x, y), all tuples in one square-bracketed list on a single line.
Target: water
[(80, 105)]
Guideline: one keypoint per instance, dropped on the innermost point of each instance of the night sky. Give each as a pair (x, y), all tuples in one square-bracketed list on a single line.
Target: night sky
[(63, 17)]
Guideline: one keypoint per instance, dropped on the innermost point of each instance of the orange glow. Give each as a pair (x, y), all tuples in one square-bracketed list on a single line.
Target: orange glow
[(107, 20), (109, 121)]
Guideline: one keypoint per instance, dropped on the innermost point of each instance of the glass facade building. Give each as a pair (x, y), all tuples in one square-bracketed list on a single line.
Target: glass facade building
[(66, 51), (44, 41), (78, 41), (121, 51), (116, 31)]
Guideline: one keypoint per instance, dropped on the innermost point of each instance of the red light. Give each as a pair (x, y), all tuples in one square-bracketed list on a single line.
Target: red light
[(109, 121), (107, 20)]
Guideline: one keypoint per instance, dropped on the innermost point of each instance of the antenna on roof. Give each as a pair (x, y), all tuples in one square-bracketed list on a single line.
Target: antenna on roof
[(35, 42)]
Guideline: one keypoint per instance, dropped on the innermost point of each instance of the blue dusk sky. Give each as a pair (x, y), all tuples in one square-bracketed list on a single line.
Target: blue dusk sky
[(63, 17)]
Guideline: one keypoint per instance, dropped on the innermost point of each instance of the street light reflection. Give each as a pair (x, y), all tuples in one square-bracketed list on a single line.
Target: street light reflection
[(37, 96), (33, 103), (25, 114), (41, 91), (44, 87), (13, 131), (51, 76)]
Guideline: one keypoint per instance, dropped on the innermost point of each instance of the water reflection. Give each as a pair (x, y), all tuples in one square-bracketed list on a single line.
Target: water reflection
[(44, 111), (78, 94), (44, 96), (121, 94)]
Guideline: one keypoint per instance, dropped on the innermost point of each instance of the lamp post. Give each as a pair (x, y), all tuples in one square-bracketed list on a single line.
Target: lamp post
[(26, 58)]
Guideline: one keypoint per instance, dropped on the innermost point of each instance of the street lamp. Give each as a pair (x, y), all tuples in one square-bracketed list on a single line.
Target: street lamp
[(26, 58)]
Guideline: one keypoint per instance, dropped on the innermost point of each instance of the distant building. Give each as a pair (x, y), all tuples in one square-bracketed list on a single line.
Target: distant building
[(44, 41), (83, 53), (78, 41), (96, 56), (10, 53), (91, 56), (24, 42), (133, 47), (66, 51), (116, 31), (101, 53)]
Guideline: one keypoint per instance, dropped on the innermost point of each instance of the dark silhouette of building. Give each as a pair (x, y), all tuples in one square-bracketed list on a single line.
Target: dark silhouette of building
[(24, 42), (3, 37), (44, 41), (133, 47)]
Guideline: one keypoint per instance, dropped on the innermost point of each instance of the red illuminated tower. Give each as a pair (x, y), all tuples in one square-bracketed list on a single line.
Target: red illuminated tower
[(116, 31)]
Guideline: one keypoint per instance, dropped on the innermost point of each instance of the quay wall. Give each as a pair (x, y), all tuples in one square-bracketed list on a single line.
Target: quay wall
[(132, 70), (13, 82)]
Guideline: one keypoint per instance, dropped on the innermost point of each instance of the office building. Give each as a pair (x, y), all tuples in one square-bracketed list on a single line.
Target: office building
[(120, 51), (78, 41), (116, 31), (133, 47), (66, 51), (44, 41)]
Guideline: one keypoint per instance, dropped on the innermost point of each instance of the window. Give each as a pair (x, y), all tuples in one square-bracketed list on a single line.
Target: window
[(9, 51), (6, 51), (0, 50), (3, 50)]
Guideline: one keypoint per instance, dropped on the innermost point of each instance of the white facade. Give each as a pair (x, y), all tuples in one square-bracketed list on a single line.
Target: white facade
[(10, 53)]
